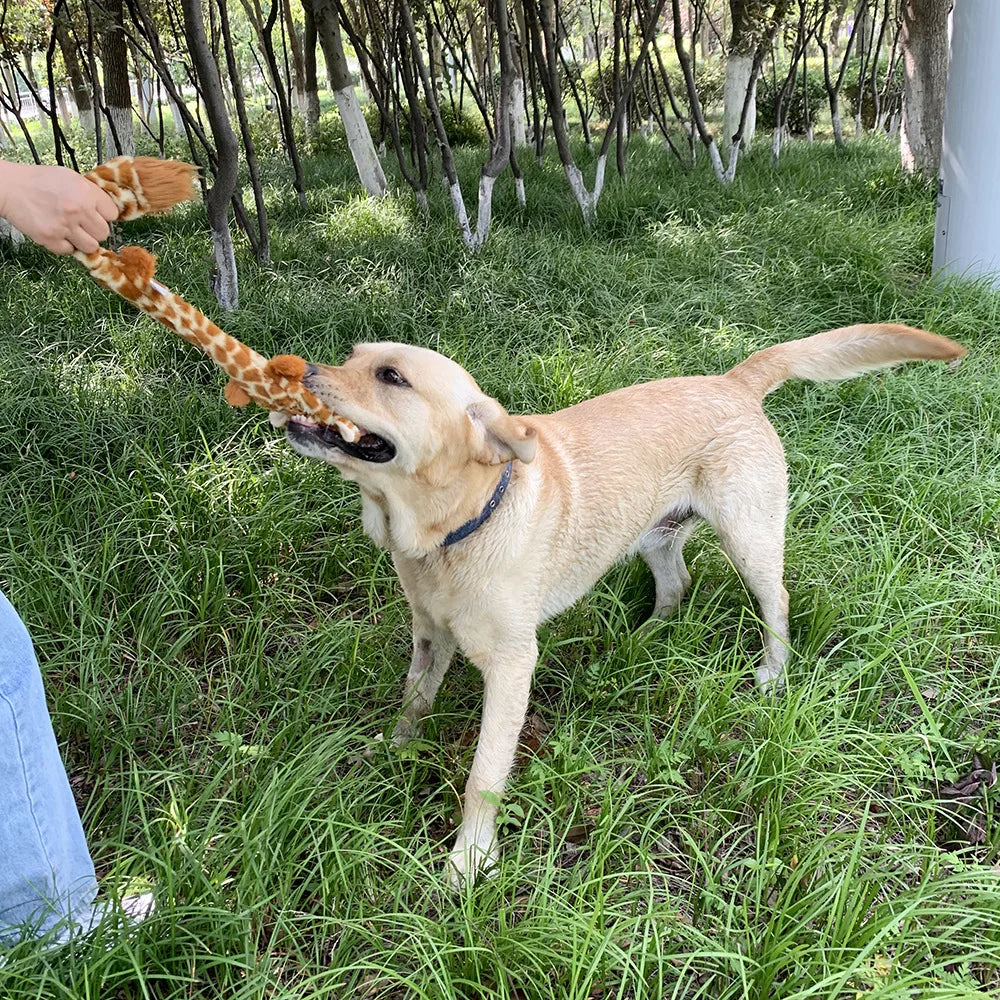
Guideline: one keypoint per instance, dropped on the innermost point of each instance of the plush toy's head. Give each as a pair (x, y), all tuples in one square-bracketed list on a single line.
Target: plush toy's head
[(143, 185)]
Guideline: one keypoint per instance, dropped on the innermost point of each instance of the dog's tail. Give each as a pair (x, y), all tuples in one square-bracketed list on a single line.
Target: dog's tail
[(842, 353)]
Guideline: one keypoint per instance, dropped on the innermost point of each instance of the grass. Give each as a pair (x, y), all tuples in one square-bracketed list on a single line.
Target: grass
[(223, 649)]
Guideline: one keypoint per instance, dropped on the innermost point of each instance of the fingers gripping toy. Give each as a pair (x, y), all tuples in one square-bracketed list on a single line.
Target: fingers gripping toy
[(143, 185)]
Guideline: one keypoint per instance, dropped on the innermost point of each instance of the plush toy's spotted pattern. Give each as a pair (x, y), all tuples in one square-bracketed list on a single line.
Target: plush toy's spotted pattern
[(142, 185)]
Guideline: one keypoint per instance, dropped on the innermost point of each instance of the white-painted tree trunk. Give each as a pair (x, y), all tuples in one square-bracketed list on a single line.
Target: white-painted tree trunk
[(87, 122), (485, 214), (226, 280), (64, 112), (121, 140), (145, 96), (587, 200), (519, 189), (724, 174), (360, 142), (175, 112), (739, 69), (518, 114), (461, 215)]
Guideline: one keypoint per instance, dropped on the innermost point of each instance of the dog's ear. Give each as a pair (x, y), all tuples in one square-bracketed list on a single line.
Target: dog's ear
[(496, 436)]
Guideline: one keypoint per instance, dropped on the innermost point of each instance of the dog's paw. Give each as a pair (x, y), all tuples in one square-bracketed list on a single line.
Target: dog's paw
[(405, 731), (469, 860)]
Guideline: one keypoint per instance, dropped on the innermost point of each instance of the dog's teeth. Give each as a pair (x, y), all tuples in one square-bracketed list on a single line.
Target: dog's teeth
[(277, 418), (305, 421)]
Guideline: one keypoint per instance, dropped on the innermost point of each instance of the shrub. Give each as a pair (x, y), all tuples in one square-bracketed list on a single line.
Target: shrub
[(329, 138), (850, 92), (795, 105), (463, 128), (266, 132), (709, 78)]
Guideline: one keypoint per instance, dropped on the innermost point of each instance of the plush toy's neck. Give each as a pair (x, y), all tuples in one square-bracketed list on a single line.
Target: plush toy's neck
[(143, 185)]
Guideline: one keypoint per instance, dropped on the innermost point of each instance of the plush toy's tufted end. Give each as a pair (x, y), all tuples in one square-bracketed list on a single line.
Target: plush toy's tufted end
[(139, 265), (287, 366), (165, 183)]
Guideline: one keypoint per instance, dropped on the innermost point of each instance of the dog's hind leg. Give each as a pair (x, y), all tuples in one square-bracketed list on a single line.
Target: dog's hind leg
[(749, 518), (433, 648), (662, 549)]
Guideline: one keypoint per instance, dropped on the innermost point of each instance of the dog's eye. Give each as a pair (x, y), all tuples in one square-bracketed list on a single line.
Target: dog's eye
[(391, 377)]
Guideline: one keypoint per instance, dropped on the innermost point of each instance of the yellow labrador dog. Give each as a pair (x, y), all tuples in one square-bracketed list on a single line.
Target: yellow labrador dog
[(495, 521)]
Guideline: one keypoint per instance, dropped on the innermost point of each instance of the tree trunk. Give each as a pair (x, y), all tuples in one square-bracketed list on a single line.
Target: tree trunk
[(64, 112), (117, 95), (739, 69), (77, 82), (924, 40), (359, 138), (265, 34), (518, 114), (144, 90), (261, 240), (739, 73), (175, 111), (226, 282), (29, 76), (309, 69), (833, 86), (543, 23), (298, 61)]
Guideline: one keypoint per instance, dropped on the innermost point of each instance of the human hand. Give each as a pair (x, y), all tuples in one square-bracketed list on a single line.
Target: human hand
[(56, 207)]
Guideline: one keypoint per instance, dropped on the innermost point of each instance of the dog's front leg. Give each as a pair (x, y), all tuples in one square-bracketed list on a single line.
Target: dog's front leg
[(507, 683), (433, 648)]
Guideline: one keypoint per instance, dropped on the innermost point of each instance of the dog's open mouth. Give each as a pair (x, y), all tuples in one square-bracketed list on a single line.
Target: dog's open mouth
[(368, 447)]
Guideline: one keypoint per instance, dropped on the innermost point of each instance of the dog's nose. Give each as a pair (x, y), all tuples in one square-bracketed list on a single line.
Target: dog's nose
[(310, 370)]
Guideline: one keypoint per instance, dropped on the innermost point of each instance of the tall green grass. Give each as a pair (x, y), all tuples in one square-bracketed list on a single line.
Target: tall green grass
[(223, 649)]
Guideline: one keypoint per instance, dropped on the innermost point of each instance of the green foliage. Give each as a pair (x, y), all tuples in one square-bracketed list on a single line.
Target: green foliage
[(796, 118), (329, 137), (709, 75), (710, 78), (849, 91), (463, 127), (223, 647), (265, 130)]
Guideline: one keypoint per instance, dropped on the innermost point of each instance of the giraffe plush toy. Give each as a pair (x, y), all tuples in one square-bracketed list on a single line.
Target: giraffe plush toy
[(139, 186)]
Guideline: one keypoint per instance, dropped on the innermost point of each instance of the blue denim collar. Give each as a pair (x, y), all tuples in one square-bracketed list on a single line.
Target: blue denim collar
[(477, 522)]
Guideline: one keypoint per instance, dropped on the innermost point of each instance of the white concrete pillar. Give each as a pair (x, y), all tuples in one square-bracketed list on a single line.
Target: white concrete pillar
[(967, 235)]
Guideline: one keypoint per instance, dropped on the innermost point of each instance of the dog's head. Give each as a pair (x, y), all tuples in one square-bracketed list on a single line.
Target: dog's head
[(420, 415)]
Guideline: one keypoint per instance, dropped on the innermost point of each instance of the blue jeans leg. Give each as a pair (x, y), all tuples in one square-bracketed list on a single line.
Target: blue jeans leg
[(46, 872)]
